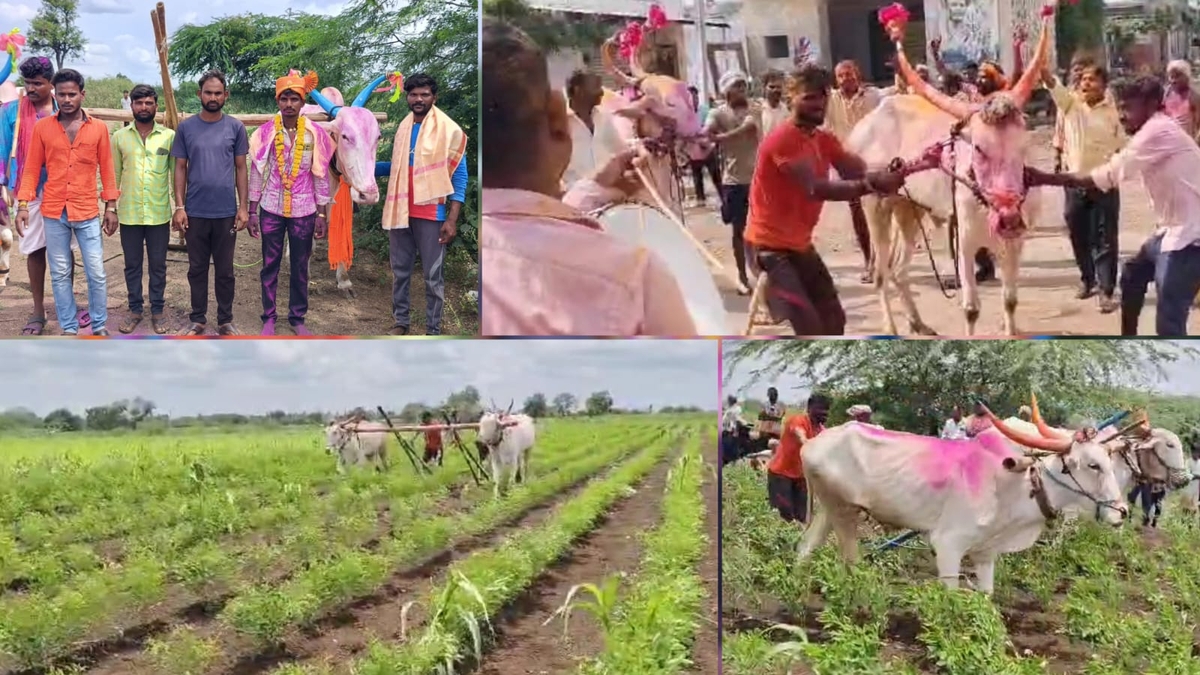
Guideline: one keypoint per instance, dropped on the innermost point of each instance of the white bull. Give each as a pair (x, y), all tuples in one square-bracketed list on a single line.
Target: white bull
[(509, 440), (355, 446), (979, 497), (987, 171)]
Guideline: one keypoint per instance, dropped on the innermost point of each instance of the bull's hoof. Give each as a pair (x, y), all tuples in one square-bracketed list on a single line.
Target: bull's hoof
[(349, 293), (950, 285)]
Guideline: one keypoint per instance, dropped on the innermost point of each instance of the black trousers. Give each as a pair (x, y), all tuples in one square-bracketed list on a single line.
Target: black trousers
[(145, 243), (714, 171), (1092, 217), (211, 240)]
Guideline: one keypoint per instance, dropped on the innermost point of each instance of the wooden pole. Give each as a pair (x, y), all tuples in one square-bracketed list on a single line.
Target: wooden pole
[(249, 119), (159, 18)]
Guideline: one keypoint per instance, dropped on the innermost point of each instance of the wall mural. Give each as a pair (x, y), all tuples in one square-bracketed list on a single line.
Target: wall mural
[(967, 29)]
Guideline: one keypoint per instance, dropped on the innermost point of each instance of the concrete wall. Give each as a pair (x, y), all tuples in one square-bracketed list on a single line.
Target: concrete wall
[(793, 18)]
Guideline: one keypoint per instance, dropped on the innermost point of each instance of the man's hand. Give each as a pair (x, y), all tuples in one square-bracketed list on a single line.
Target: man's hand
[(252, 225), (110, 222), (22, 222), (321, 229), (447, 233), (885, 182), (1020, 35), (935, 47), (180, 221), (619, 173), (239, 221)]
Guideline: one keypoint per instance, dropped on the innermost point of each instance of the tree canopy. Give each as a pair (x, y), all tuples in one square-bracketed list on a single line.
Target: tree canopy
[(908, 382), (54, 30)]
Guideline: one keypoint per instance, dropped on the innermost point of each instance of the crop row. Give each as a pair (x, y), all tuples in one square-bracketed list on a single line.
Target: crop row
[(460, 612), (38, 626), (653, 629)]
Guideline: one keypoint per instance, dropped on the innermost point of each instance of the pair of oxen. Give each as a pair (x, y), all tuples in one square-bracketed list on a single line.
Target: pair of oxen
[(984, 496)]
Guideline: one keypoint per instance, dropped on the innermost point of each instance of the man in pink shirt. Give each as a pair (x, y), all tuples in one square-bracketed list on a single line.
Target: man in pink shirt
[(549, 268), (1168, 161), (1181, 101)]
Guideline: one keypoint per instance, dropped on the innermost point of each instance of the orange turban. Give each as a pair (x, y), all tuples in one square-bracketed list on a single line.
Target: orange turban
[(990, 69), (294, 81)]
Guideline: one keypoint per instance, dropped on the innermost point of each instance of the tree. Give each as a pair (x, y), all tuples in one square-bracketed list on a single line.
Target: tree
[(599, 403), (136, 410), (1079, 27), (908, 383), (105, 417), (53, 30), (536, 406), (564, 404), (552, 30), (63, 420)]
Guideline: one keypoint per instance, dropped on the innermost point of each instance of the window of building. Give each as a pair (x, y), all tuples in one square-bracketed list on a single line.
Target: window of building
[(777, 46)]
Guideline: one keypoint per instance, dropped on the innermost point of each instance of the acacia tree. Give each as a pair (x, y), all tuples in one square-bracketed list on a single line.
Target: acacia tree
[(910, 383), (564, 404), (53, 30), (599, 403)]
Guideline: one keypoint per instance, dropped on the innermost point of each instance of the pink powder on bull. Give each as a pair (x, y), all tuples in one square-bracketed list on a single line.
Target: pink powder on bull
[(949, 463)]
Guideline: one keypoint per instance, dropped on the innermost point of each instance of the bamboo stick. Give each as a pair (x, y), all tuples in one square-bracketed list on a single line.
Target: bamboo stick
[(163, 53), (249, 119)]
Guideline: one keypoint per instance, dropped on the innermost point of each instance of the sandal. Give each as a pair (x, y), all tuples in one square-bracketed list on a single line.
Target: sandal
[(227, 330), (35, 326), (84, 318), (193, 329), (101, 332), (130, 324), (157, 325)]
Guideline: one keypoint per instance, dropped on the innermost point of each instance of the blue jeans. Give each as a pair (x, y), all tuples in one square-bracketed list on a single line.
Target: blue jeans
[(58, 255), (1176, 274)]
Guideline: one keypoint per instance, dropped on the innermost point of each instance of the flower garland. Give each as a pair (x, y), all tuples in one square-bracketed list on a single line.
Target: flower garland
[(288, 178)]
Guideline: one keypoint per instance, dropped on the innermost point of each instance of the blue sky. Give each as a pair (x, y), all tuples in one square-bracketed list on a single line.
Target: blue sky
[(1183, 378), (204, 377), (121, 37)]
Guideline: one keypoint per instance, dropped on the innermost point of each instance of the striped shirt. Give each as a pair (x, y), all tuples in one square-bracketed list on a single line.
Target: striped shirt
[(145, 171)]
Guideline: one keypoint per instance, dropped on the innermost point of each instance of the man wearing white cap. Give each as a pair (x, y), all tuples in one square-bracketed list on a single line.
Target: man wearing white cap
[(735, 125)]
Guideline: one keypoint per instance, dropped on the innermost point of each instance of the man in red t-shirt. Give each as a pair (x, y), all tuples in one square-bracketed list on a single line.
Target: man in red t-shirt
[(433, 440), (786, 489), (791, 184)]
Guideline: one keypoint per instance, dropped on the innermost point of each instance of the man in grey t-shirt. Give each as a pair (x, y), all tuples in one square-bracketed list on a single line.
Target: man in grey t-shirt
[(211, 200), (735, 127)]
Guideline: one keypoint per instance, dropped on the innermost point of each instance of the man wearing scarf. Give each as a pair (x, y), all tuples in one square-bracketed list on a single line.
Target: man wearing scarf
[(289, 184), (17, 119), (426, 191)]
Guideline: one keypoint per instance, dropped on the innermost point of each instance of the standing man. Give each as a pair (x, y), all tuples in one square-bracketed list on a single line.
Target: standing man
[(144, 169), (425, 197), (978, 422), (711, 162), (433, 440), (289, 182), (126, 103), (1181, 101), (787, 490), (1167, 159), (72, 148), (770, 418), (774, 108), (849, 102), (584, 91), (1092, 133), (735, 125), (731, 422), (955, 428), (790, 187), (211, 201)]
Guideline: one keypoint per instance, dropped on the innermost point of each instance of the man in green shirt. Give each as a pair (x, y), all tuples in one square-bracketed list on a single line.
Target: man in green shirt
[(144, 167)]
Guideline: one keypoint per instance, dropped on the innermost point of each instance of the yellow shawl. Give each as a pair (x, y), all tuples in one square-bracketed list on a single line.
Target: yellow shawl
[(440, 146)]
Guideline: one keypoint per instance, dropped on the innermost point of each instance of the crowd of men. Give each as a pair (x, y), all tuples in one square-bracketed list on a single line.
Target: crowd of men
[(209, 179)]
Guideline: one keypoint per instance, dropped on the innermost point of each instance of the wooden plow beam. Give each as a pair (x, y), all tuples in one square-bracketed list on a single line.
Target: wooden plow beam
[(474, 464), (251, 120), (409, 450)]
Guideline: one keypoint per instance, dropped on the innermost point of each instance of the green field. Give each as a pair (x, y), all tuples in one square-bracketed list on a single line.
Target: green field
[(242, 551)]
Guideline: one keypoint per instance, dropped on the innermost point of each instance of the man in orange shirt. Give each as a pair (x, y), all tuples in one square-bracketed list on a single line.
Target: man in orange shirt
[(72, 147), (433, 440), (791, 185), (786, 488)]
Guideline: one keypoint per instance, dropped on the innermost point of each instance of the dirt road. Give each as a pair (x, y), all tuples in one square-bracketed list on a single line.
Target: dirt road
[(330, 312), (1048, 281)]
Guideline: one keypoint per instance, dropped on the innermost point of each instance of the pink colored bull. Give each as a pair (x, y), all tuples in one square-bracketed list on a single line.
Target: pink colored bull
[(982, 182)]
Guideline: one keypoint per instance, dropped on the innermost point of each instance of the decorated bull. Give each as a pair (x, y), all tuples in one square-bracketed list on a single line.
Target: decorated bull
[(356, 446), (980, 190), (509, 439), (978, 497)]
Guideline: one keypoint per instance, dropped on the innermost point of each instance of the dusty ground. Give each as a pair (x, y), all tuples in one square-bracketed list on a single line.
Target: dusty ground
[(1048, 282), (330, 312)]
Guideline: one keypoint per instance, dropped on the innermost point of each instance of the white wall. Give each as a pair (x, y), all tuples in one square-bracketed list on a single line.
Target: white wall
[(794, 18)]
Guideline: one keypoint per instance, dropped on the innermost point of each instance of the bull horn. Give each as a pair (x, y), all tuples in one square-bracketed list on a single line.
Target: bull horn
[(328, 106), (361, 99), (960, 110), (1043, 428), (1056, 445), (1023, 90), (635, 63), (510, 405), (608, 57)]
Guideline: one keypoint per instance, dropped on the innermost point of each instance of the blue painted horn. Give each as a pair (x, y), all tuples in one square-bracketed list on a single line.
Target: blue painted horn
[(327, 105), (6, 69), (1112, 421), (361, 99)]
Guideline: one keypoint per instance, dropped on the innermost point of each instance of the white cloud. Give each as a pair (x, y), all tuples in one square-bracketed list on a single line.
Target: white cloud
[(105, 7), (21, 12), (187, 377)]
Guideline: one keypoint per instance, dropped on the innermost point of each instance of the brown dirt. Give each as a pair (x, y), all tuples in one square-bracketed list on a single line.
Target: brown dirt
[(524, 646), (706, 652), (1048, 280), (330, 312)]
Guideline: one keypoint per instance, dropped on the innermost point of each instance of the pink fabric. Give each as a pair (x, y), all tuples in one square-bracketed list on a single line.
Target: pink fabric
[(311, 188), (1179, 108), (551, 270), (945, 464)]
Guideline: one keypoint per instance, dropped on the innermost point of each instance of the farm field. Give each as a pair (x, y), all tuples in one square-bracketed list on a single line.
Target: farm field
[(244, 552), (1087, 599)]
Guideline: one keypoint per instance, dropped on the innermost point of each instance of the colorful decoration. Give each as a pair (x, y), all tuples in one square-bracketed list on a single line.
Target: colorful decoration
[(395, 84), (289, 177), (1049, 7), (806, 52), (12, 42), (630, 39), (894, 19), (656, 18)]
